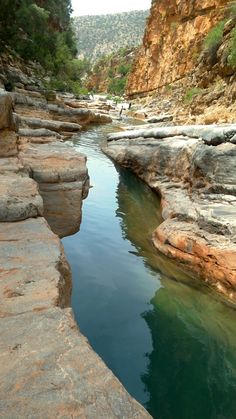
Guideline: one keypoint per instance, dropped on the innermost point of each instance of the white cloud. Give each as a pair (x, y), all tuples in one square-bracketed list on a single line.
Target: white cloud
[(98, 7)]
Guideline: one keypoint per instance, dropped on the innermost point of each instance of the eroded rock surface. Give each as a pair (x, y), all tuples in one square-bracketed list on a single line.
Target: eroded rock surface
[(62, 176), (194, 170), (47, 368), (173, 37)]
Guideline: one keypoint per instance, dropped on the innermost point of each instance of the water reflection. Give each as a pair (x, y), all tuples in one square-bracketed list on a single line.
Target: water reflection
[(191, 370), (171, 345)]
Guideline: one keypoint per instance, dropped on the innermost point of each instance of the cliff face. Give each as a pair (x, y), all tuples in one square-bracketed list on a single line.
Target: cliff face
[(172, 42)]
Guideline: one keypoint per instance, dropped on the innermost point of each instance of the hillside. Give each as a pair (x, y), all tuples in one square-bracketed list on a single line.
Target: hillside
[(109, 74), (187, 62), (104, 34)]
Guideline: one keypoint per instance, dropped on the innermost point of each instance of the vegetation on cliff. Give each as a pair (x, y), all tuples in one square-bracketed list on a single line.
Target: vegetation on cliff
[(41, 31), (104, 34), (215, 37), (109, 74)]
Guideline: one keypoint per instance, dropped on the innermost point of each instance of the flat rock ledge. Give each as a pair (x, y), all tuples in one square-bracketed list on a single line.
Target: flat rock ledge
[(47, 367), (193, 168)]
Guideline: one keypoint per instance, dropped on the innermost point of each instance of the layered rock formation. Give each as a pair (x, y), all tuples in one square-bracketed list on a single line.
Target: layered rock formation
[(44, 120), (193, 169), (173, 38), (182, 77), (47, 368)]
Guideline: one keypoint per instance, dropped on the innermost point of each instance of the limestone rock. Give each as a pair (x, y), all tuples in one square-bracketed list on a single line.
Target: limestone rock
[(159, 118), (47, 367), (49, 370), (173, 37), (63, 181), (19, 198), (37, 133), (34, 271), (8, 143), (193, 168), (6, 107), (57, 126)]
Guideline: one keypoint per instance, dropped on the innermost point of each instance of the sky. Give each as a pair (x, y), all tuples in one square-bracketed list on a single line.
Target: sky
[(100, 7)]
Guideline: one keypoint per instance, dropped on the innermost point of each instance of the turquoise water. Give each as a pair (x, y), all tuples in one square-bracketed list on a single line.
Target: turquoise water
[(172, 345)]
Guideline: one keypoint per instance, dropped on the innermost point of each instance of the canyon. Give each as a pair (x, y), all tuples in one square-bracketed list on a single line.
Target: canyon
[(46, 364), (185, 151), (173, 69)]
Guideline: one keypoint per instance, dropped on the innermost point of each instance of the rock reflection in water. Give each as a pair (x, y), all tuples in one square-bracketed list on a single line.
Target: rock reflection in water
[(191, 371)]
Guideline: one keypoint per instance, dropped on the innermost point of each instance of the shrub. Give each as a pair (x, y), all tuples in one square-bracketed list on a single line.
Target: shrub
[(213, 41), (117, 86), (232, 50), (191, 93)]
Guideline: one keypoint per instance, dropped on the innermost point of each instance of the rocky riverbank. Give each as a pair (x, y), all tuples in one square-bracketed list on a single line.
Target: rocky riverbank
[(193, 169), (47, 368)]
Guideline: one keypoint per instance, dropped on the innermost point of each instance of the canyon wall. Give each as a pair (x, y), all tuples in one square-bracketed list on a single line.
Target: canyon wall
[(172, 42)]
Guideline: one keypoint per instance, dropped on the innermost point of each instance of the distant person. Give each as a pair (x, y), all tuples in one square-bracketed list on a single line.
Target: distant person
[(129, 105), (122, 108)]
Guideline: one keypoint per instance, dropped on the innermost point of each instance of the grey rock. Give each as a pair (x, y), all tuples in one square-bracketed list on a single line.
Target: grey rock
[(47, 368), (8, 143), (40, 132), (58, 126), (34, 271), (193, 168), (159, 118), (19, 198), (63, 181)]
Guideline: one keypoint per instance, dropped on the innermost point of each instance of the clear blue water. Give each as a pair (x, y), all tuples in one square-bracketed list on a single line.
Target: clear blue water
[(172, 345)]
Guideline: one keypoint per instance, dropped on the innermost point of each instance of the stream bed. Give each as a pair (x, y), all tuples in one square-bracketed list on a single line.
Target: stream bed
[(171, 344)]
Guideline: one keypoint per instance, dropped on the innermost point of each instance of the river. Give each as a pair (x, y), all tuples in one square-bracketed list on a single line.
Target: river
[(171, 343)]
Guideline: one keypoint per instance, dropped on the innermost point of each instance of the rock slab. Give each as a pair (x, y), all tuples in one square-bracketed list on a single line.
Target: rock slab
[(193, 168)]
